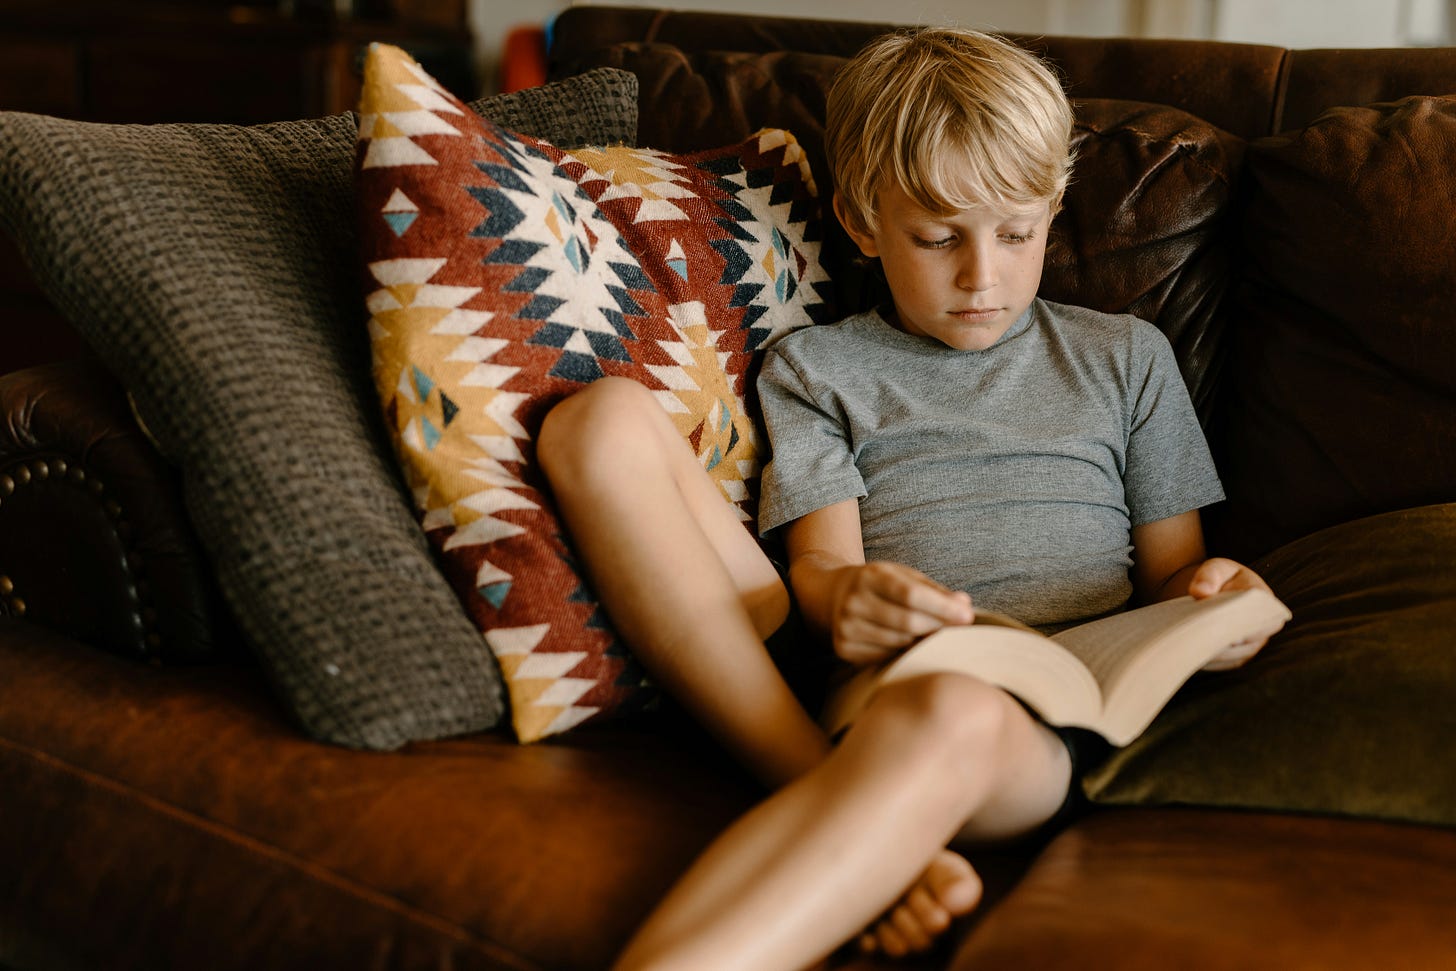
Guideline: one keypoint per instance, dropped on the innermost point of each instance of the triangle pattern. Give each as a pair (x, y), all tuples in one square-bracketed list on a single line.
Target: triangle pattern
[(504, 273)]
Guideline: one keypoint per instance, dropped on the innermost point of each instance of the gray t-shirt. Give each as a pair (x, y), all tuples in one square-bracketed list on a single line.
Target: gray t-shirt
[(1014, 473)]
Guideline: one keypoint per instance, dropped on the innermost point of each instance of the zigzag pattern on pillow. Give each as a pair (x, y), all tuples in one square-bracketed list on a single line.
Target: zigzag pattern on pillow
[(504, 274)]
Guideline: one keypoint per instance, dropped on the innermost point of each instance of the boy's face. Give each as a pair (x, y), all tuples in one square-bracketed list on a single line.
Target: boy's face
[(961, 279)]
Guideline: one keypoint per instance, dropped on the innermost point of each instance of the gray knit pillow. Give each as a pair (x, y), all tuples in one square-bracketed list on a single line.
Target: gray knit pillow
[(214, 268)]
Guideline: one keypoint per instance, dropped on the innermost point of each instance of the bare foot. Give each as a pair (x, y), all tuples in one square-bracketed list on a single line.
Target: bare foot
[(947, 889)]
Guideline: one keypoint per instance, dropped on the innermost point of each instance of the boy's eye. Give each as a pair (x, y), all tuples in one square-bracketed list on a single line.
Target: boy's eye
[(941, 243), (1017, 238)]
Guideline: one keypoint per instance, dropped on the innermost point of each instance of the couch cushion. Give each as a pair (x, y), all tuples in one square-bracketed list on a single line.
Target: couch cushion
[(1343, 363), (1208, 891), (507, 273), (212, 267), (169, 817), (1144, 227), (1350, 709)]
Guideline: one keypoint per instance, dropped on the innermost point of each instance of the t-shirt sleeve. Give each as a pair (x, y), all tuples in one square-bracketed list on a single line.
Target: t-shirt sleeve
[(1169, 469), (812, 461)]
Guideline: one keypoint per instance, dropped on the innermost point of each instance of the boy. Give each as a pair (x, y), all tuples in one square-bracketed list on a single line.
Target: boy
[(968, 440)]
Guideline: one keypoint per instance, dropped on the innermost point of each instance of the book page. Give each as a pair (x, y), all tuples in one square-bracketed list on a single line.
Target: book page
[(1111, 675), (1140, 658), (990, 618), (1108, 645)]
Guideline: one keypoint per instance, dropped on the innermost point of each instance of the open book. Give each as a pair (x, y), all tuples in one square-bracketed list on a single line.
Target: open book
[(1112, 675)]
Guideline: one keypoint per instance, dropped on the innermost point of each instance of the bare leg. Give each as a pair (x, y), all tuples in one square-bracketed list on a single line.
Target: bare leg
[(670, 560), (813, 864), (683, 581)]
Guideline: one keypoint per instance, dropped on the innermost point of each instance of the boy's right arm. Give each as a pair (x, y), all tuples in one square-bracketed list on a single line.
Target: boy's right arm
[(869, 611)]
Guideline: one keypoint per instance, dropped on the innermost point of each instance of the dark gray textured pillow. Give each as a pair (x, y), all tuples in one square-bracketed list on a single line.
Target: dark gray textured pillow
[(213, 268)]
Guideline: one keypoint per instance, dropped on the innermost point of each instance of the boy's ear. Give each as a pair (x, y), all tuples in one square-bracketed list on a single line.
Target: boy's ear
[(862, 239)]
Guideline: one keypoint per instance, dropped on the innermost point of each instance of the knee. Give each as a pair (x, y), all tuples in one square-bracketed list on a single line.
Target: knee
[(597, 423), (953, 719)]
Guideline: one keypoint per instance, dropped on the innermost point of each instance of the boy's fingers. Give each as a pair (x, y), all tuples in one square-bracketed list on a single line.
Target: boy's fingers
[(948, 607), (1246, 579), (911, 589), (888, 607), (865, 631), (902, 620), (872, 638), (1211, 576), (1218, 573)]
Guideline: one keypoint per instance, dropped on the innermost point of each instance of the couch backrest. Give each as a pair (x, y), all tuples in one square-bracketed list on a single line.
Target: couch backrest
[(1246, 89), (1195, 76), (1316, 80)]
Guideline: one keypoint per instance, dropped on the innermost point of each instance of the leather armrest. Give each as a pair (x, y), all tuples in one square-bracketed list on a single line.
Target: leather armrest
[(94, 540)]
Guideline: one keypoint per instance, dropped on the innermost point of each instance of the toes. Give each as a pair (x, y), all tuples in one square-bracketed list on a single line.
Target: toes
[(928, 912), (890, 940), (953, 883), (948, 888), (917, 937), (911, 927)]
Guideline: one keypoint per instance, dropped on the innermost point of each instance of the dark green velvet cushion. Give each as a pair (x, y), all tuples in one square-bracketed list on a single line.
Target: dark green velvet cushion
[(1350, 710)]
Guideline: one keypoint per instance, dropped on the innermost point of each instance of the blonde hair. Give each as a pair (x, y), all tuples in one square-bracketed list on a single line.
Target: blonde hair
[(956, 118)]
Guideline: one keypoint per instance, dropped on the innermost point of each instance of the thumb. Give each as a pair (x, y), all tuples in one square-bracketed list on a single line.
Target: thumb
[(1211, 576)]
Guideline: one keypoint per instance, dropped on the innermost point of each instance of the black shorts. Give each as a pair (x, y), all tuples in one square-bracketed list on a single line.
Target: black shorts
[(1087, 750)]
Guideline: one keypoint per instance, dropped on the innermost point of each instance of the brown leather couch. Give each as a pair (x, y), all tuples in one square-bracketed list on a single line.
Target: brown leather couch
[(160, 813)]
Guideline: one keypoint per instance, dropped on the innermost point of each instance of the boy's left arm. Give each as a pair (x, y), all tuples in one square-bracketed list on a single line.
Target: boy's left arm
[(1169, 560)]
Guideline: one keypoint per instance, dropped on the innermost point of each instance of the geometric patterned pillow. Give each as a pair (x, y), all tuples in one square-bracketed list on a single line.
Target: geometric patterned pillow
[(503, 274)]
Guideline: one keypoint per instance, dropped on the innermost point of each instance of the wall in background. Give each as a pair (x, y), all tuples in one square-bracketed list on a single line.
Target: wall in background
[(492, 20), (1288, 23), (1333, 23)]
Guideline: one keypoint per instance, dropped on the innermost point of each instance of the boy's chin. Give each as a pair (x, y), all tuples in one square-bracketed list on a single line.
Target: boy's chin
[(959, 332), (974, 336)]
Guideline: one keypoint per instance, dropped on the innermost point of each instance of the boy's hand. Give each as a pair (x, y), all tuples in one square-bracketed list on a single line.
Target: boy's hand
[(881, 608), (1215, 576), (1219, 574)]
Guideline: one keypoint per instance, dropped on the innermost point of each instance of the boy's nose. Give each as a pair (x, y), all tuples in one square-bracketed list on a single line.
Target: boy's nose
[(975, 272)]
